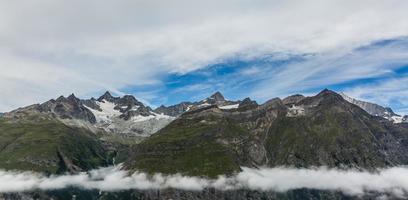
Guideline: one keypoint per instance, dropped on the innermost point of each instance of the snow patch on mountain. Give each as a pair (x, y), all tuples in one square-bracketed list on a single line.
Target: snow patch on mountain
[(141, 118), (295, 111), (118, 116), (107, 111), (203, 105), (399, 119), (228, 107)]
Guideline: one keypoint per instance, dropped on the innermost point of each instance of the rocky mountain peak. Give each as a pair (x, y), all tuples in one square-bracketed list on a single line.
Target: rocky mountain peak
[(174, 110), (60, 98), (161, 107), (248, 103), (107, 96), (217, 96), (293, 99), (329, 95), (326, 92), (326, 98), (129, 100), (273, 102), (73, 98)]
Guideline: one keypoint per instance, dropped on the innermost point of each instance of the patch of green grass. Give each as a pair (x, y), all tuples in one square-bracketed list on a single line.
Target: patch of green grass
[(34, 145), (195, 147), (326, 138)]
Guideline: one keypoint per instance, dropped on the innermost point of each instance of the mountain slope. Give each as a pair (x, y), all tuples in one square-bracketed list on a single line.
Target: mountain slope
[(47, 145), (335, 133), (126, 116), (310, 131), (377, 110), (191, 145)]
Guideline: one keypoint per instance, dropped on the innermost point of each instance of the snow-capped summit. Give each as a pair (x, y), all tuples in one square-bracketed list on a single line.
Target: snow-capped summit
[(114, 115), (126, 115), (107, 96), (217, 96)]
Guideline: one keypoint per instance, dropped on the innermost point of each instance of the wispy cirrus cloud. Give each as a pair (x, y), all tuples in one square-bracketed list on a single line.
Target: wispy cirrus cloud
[(324, 70)]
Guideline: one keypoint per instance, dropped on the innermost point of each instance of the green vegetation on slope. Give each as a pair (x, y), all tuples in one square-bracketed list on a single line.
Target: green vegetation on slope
[(330, 132), (49, 146), (336, 134), (196, 147)]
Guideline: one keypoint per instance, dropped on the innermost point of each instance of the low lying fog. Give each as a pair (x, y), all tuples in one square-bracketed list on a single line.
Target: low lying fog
[(392, 180)]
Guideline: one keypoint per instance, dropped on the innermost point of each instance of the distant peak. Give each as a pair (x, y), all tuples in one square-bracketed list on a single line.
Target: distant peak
[(129, 97), (330, 96), (72, 97), (293, 99), (60, 98), (107, 96), (327, 91), (247, 102), (247, 99), (129, 100), (218, 96)]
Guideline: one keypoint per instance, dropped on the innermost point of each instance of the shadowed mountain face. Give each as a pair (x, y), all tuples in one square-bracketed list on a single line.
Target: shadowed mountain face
[(303, 131)]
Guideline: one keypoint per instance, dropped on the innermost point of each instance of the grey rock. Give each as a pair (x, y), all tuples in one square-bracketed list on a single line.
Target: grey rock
[(372, 108), (247, 103), (293, 99), (174, 110)]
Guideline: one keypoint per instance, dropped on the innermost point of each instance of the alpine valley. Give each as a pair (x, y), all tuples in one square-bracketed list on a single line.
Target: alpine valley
[(208, 138)]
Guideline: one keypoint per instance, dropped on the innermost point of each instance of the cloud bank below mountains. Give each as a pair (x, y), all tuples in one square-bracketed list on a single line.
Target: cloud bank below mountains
[(392, 181)]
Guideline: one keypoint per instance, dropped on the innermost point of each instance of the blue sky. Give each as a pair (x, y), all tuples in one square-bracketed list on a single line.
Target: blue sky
[(165, 52), (236, 78)]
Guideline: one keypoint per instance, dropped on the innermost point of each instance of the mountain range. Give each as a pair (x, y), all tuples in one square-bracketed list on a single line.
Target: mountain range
[(208, 138)]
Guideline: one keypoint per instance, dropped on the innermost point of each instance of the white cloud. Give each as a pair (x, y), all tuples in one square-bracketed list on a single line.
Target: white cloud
[(59, 47), (391, 181), (322, 70)]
